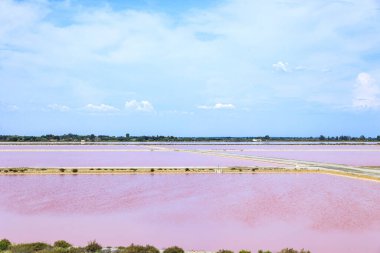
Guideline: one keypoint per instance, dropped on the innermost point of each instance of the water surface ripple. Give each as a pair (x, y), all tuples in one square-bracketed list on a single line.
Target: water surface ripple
[(199, 211)]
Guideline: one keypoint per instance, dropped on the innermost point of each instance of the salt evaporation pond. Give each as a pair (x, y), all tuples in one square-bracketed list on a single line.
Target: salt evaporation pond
[(154, 155), (322, 213), (105, 157)]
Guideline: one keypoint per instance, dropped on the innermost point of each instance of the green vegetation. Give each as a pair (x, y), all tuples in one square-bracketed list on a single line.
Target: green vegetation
[(29, 247), (62, 244), (293, 251), (138, 249), (174, 249), (105, 138), (93, 247), (4, 244)]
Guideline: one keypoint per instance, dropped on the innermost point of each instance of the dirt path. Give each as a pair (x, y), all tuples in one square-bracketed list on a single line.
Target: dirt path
[(301, 164)]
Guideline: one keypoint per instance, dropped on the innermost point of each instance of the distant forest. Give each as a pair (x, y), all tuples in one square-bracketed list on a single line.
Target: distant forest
[(128, 138)]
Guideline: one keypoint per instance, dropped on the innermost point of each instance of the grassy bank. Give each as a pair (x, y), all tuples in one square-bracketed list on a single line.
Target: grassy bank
[(93, 247), (172, 170)]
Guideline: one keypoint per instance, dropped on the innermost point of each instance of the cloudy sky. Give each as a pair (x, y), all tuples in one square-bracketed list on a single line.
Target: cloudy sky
[(190, 68)]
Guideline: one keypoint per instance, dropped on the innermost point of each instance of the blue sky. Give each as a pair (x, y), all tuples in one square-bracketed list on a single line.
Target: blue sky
[(190, 68)]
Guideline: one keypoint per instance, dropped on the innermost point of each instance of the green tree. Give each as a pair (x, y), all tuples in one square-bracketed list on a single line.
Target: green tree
[(138, 249), (62, 244), (4, 244), (93, 246), (174, 249)]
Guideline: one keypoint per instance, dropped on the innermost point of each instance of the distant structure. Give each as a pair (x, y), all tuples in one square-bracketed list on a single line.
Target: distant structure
[(219, 170), (256, 140), (82, 142)]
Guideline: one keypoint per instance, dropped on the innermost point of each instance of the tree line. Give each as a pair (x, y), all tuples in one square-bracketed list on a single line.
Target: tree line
[(160, 138)]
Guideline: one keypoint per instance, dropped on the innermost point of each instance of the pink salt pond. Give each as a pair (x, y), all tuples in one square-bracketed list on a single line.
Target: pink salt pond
[(321, 213), (181, 155)]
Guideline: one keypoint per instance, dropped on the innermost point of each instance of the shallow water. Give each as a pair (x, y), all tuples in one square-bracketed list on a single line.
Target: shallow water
[(90, 158), (322, 213), (169, 156)]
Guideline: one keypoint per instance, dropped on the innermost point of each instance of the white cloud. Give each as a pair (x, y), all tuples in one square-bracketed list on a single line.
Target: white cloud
[(8, 107), (366, 92), (12, 108), (57, 107), (144, 106), (237, 42), (217, 106), (100, 108), (281, 66), (17, 15)]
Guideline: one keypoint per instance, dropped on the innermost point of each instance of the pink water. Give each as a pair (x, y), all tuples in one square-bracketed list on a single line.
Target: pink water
[(319, 212), (76, 147), (71, 158), (167, 156), (273, 147)]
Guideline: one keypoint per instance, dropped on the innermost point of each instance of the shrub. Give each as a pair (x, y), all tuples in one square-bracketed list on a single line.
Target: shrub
[(244, 251), (224, 251), (62, 250), (287, 250), (53, 250), (62, 170), (267, 251), (152, 170), (29, 247), (174, 249), (74, 170), (151, 249), (4, 244), (62, 244), (75, 250), (138, 249), (93, 247)]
